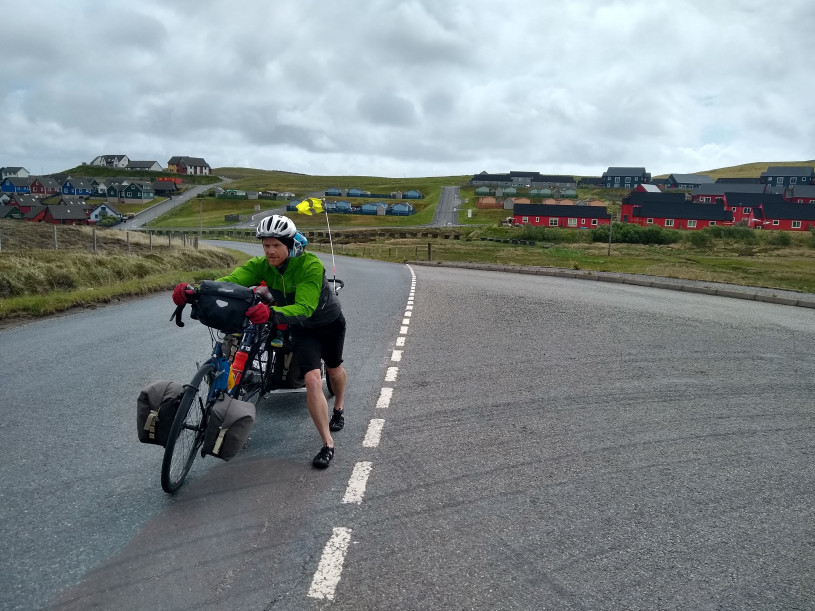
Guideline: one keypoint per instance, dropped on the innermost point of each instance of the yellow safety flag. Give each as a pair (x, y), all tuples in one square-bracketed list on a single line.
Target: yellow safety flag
[(312, 205)]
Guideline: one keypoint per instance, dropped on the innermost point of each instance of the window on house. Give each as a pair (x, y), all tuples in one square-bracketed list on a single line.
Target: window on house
[(779, 180), (793, 180), (712, 223), (525, 219), (704, 199), (552, 222), (796, 224), (746, 210), (572, 222), (616, 180), (669, 222), (649, 221), (627, 180), (537, 219), (593, 221), (691, 224), (776, 222), (800, 201)]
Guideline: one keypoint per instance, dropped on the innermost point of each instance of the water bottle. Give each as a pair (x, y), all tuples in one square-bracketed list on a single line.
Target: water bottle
[(236, 370)]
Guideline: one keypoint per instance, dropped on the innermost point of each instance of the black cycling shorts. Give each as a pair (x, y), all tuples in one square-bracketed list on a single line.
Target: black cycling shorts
[(314, 343)]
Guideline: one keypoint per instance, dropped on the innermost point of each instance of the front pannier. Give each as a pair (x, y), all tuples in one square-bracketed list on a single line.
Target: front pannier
[(228, 426), (155, 411), (222, 305)]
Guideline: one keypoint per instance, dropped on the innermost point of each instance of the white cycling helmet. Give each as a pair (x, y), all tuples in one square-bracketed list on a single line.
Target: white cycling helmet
[(276, 226)]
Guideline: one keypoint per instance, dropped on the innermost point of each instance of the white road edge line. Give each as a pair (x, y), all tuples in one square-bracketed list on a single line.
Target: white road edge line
[(356, 485), (391, 373), (329, 570), (400, 341), (374, 433), (396, 356)]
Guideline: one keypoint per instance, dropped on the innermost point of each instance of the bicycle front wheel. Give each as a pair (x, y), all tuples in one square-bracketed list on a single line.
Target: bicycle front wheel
[(187, 432)]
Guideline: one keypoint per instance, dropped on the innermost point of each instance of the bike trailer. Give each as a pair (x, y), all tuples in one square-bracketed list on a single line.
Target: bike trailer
[(228, 426), (222, 305), (155, 410), (286, 371)]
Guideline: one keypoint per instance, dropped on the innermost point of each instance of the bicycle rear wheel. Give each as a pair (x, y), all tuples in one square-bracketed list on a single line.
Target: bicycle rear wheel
[(187, 432)]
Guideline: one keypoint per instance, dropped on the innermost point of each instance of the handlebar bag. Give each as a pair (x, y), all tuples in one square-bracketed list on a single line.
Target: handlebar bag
[(155, 411), (228, 426), (222, 305)]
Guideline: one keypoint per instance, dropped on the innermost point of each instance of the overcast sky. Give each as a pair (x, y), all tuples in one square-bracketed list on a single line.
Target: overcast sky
[(408, 88)]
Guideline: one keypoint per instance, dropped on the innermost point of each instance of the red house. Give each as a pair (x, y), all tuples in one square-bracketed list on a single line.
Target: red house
[(44, 186), (679, 215), (801, 194), (550, 215), (743, 205), (66, 215), (784, 216)]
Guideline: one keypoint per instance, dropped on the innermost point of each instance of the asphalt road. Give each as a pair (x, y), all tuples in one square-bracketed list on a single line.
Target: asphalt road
[(145, 216), (550, 443), (447, 209)]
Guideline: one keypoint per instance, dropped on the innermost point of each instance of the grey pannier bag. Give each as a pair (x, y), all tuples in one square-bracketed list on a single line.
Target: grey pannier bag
[(155, 410), (228, 426)]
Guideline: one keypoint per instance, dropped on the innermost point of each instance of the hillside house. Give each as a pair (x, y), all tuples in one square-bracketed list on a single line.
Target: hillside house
[(715, 193), (66, 215), (111, 161), (10, 212), (12, 184), (685, 215), (103, 210), (788, 175), (801, 194), (687, 181), (14, 172), (574, 217), (144, 166), (413, 194), (44, 186), (188, 165), (164, 188), (23, 201), (625, 178), (36, 214), (333, 192), (78, 187)]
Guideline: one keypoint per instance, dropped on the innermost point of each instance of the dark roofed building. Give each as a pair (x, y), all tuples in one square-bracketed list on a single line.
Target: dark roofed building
[(625, 178), (687, 181), (554, 215), (788, 175), (679, 215)]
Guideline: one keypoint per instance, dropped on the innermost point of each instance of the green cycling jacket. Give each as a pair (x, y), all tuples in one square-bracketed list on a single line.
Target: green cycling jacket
[(300, 290)]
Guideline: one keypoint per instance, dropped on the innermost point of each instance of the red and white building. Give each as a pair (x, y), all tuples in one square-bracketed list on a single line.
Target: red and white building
[(568, 217)]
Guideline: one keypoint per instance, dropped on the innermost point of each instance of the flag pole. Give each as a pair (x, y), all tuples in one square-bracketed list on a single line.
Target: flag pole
[(331, 242)]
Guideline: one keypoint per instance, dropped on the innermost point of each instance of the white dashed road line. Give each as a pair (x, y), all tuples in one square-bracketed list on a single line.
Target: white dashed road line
[(329, 570), (359, 479), (374, 433), (384, 398)]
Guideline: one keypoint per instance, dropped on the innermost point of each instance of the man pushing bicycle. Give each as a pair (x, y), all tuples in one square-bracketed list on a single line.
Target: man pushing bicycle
[(304, 300)]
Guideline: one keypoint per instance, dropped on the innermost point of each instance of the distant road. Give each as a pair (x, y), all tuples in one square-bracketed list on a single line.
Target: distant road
[(447, 208), (145, 216)]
